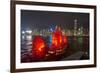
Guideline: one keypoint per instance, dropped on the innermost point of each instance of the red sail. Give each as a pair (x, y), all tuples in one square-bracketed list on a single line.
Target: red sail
[(38, 47)]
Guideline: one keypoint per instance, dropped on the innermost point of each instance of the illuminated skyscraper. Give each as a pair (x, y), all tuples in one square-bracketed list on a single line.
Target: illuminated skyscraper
[(75, 27)]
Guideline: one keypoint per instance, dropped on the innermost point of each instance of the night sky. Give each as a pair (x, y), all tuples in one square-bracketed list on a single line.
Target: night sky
[(43, 19)]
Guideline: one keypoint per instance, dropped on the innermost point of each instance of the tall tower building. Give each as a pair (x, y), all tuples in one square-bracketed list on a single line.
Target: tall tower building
[(75, 27)]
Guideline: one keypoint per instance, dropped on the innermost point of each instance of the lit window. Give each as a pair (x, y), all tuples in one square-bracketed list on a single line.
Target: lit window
[(29, 37), (29, 31), (23, 32)]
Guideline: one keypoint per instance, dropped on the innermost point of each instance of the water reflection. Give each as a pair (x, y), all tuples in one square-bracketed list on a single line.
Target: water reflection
[(78, 49), (80, 43)]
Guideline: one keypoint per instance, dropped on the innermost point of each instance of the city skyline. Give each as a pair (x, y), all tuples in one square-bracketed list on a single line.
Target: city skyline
[(43, 19)]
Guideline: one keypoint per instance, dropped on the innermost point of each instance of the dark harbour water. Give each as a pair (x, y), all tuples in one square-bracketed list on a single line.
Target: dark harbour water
[(77, 46), (80, 43), (77, 49)]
